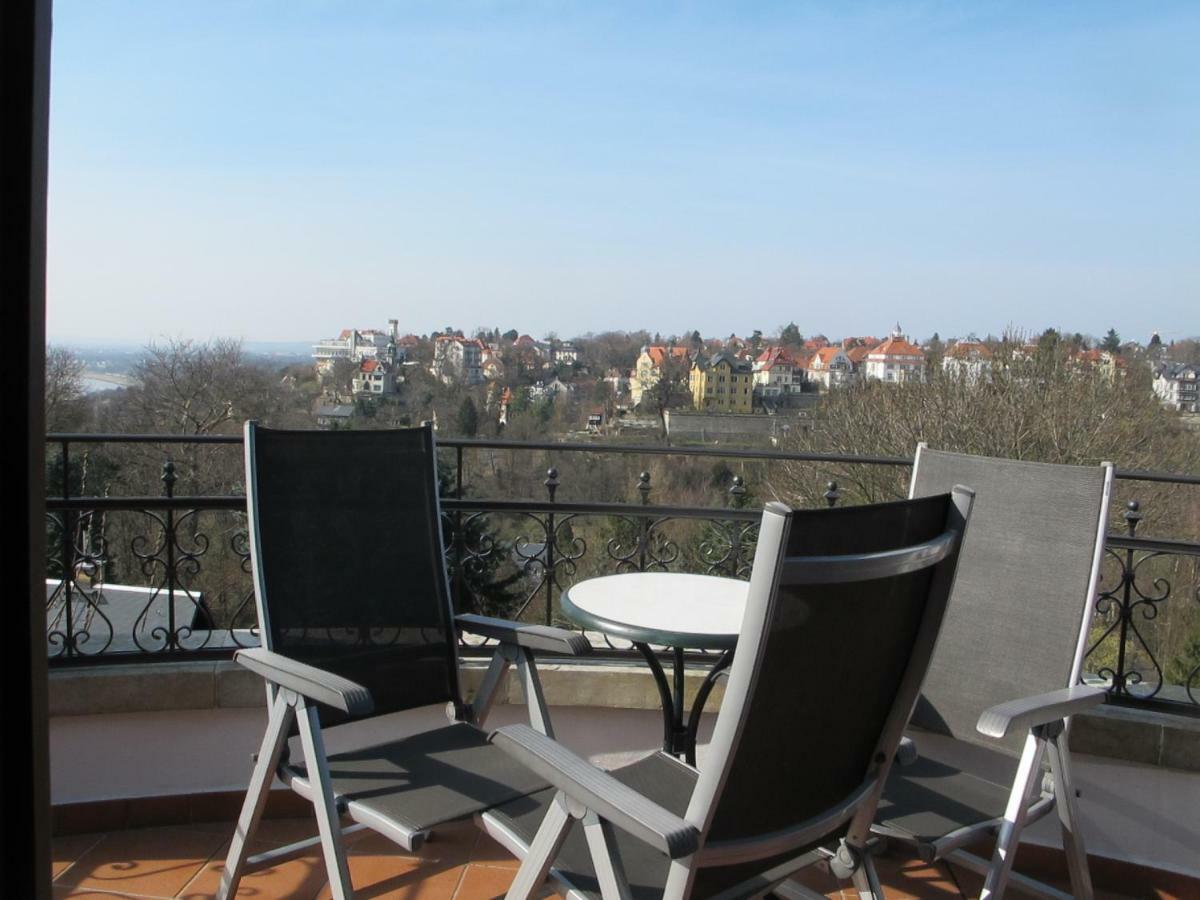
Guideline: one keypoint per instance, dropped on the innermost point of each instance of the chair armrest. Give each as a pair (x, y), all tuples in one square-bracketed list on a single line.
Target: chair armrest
[(532, 637), (598, 791), (1017, 715), (308, 681)]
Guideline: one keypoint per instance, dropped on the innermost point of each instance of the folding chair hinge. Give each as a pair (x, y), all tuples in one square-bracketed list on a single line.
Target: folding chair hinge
[(848, 860), (1050, 730)]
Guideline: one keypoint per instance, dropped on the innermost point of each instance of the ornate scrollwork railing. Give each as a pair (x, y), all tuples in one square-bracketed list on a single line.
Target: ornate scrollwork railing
[(168, 577)]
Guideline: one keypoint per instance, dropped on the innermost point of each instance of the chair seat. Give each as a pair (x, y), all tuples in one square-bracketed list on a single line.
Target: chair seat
[(659, 777), (928, 799), (427, 779)]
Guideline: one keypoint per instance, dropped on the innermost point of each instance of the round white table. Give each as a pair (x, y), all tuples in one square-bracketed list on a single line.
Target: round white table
[(682, 612)]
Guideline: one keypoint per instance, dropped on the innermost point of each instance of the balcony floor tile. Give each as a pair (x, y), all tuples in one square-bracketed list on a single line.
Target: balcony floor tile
[(461, 863)]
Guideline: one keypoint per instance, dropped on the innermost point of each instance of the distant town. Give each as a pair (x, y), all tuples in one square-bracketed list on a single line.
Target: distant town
[(739, 376), (692, 385)]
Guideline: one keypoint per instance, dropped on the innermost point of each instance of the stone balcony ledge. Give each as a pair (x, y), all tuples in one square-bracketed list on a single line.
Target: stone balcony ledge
[(1144, 736)]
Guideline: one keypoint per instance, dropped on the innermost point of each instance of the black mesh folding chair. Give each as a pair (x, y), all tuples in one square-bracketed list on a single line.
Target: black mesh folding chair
[(1016, 628), (843, 609), (355, 620)]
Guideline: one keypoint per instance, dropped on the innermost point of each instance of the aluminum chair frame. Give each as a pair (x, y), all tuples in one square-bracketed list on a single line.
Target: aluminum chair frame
[(602, 804), (1045, 721), (296, 692)]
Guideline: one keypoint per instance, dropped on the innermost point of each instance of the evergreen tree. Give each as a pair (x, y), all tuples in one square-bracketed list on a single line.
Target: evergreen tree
[(468, 418), (1111, 342)]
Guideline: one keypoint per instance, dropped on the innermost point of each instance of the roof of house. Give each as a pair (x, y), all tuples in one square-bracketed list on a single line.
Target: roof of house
[(894, 348), (772, 357), (826, 355), (734, 363), (335, 410), (658, 354), (969, 350), (858, 354)]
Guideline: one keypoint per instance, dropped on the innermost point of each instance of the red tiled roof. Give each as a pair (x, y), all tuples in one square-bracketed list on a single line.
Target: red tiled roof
[(967, 349), (658, 355), (896, 347)]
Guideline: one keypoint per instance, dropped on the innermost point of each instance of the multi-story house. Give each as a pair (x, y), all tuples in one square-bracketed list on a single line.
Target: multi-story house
[(565, 353), (1178, 386), (831, 367), (456, 358), (722, 383), (375, 378), (896, 360), (776, 374), (650, 366), (969, 360), (356, 345)]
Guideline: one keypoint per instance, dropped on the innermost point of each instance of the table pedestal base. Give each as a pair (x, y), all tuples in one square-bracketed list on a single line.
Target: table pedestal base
[(679, 739)]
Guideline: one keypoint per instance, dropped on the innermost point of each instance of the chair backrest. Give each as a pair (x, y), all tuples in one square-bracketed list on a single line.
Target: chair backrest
[(841, 617), (1019, 620), (346, 551)]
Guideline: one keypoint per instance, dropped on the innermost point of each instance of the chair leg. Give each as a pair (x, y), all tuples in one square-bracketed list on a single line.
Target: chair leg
[(610, 872), (1028, 772), (535, 700), (866, 879), (279, 722), (328, 825), (1068, 817), (542, 851)]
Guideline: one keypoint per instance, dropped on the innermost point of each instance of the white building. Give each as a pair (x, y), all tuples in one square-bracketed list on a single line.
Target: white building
[(457, 358), (968, 360), (1177, 386), (375, 377), (831, 367), (776, 374), (896, 360), (355, 345)]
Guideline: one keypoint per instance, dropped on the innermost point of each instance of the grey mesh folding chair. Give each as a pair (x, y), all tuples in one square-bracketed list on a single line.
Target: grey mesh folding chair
[(1004, 679), (355, 619), (842, 612)]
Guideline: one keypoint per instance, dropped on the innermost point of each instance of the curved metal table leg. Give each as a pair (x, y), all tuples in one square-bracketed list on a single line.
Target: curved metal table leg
[(664, 694), (679, 739), (710, 681)]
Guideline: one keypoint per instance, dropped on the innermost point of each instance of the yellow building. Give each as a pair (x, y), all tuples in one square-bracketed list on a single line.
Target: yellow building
[(722, 383)]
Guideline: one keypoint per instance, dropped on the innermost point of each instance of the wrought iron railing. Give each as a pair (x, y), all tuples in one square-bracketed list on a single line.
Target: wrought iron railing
[(166, 577)]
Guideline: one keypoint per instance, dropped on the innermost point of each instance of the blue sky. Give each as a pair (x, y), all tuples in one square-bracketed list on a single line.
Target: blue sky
[(281, 169)]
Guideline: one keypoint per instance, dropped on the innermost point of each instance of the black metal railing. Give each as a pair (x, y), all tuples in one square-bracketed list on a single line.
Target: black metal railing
[(163, 577)]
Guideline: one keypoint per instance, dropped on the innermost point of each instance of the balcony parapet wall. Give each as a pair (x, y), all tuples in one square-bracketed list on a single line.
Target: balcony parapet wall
[(1123, 734)]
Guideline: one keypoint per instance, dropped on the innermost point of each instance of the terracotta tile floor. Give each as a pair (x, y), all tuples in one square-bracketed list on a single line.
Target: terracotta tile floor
[(461, 863)]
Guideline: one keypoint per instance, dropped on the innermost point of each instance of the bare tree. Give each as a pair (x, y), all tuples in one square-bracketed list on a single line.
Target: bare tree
[(190, 388), (64, 389), (670, 389)]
